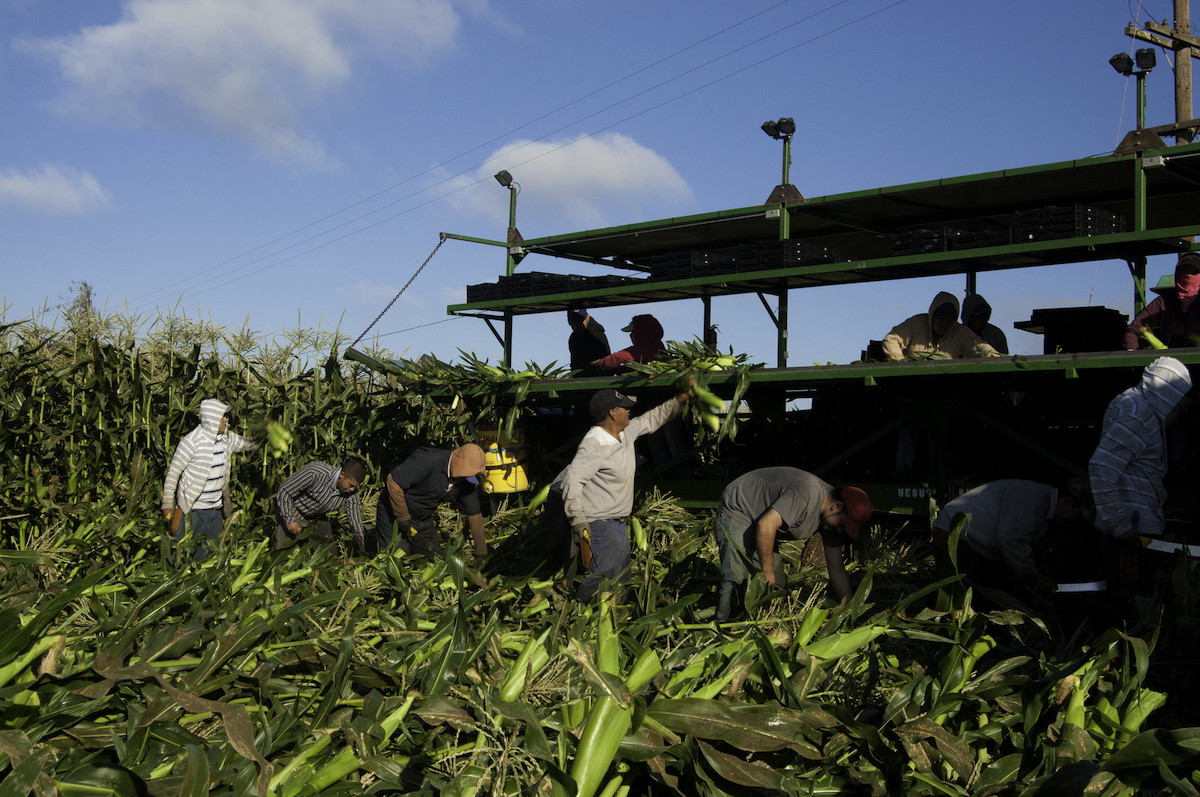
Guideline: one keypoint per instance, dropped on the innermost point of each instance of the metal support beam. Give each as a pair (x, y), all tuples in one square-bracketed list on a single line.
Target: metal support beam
[(780, 322), (707, 323), (1137, 269), (783, 328), (515, 252), (499, 338), (1137, 265), (508, 338), (767, 307)]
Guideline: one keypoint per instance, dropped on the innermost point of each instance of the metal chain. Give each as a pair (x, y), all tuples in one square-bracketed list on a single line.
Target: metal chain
[(441, 240)]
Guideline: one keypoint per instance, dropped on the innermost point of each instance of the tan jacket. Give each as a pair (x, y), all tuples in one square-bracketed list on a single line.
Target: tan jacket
[(914, 337)]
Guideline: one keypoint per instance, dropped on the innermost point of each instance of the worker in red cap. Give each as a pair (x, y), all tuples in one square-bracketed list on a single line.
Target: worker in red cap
[(765, 507), (646, 343)]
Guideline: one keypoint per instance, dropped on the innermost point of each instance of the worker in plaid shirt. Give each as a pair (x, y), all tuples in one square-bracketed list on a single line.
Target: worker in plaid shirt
[(312, 492)]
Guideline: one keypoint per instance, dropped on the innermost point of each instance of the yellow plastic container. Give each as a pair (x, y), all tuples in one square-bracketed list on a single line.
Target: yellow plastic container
[(503, 457)]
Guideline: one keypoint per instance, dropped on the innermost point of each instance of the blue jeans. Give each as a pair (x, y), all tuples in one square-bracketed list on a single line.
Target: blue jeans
[(206, 526), (733, 540), (610, 555)]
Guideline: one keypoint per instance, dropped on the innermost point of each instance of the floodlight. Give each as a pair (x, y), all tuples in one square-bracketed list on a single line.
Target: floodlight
[(1145, 59), (504, 178), (786, 126), (1123, 63), (768, 127)]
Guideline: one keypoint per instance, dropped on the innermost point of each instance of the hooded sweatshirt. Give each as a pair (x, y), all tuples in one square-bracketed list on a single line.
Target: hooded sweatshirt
[(646, 335), (1129, 464), (992, 335), (915, 336), (192, 465)]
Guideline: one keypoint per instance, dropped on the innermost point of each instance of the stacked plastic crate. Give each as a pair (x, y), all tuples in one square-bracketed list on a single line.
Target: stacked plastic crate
[(1065, 221), (765, 255)]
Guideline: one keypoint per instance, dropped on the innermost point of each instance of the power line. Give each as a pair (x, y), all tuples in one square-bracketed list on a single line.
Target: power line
[(559, 129), (437, 166)]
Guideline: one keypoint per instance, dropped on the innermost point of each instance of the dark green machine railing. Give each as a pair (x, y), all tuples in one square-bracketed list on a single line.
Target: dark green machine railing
[(1047, 375), (1158, 193)]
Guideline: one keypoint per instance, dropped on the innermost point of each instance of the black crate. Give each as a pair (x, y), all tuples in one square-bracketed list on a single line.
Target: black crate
[(544, 283), (534, 283), (484, 292), (612, 281), (1065, 221), (922, 241), (515, 286), (763, 255), (946, 239), (689, 263), (977, 239)]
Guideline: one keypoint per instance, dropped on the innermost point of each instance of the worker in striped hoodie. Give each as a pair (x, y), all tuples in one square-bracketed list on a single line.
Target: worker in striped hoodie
[(194, 489), (1128, 468)]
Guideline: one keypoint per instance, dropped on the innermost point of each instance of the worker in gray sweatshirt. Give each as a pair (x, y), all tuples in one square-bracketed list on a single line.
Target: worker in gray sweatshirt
[(597, 487)]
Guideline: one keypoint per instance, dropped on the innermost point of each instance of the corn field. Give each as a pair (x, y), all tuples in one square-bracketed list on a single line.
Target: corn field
[(126, 668)]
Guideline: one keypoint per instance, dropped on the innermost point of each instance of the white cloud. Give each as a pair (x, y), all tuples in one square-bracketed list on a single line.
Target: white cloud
[(587, 181), (247, 68), (52, 189)]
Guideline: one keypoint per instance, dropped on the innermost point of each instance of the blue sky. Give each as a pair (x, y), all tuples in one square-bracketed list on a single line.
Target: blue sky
[(284, 163)]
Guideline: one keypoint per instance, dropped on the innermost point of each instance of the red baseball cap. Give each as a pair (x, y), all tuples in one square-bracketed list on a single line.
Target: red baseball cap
[(858, 510)]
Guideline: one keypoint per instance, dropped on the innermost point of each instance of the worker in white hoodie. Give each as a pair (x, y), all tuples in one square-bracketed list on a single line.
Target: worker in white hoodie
[(194, 489)]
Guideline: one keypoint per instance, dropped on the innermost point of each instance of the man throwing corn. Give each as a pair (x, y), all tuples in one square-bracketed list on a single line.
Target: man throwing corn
[(765, 507), (597, 487)]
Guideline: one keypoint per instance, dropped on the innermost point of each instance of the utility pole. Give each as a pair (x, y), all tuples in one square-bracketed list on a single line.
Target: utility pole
[(1180, 40)]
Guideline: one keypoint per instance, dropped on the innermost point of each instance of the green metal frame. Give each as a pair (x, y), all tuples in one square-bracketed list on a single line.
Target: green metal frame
[(1157, 192), (1163, 185)]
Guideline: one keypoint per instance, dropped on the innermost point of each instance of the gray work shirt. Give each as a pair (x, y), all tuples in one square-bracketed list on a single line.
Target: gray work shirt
[(795, 494)]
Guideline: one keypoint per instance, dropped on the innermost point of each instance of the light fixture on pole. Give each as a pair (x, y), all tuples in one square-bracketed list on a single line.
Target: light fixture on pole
[(514, 237), (1144, 60), (783, 129), (1123, 63)]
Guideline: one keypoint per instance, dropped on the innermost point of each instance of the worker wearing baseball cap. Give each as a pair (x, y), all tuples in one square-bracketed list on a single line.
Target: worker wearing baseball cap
[(765, 507), (597, 487), (646, 344), (587, 342)]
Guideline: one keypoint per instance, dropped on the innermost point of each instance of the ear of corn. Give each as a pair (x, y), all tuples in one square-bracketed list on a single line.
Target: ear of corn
[(639, 533), (533, 657), (1151, 338)]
